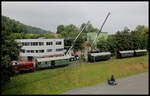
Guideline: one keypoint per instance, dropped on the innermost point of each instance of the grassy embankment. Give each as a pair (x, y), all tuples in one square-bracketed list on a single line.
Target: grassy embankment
[(56, 81)]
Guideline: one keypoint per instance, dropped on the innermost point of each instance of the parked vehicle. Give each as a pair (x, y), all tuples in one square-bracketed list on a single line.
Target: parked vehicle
[(131, 53), (123, 54), (64, 60), (92, 57), (52, 62), (140, 52), (23, 65)]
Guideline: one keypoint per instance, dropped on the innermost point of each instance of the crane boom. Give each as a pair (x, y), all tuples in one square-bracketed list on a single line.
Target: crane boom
[(77, 38), (100, 29)]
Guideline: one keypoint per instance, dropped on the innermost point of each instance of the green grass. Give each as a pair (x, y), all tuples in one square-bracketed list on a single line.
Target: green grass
[(56, 81)]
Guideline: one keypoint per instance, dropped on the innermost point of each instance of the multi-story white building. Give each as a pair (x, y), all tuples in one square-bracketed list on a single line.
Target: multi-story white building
[(34, 48)]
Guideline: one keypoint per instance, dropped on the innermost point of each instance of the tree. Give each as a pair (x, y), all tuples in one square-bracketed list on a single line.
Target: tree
[(10, 51), (89, 28), (60, 29)]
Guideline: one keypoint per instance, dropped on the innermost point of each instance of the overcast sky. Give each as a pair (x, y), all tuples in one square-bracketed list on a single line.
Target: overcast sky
[(48, 15)]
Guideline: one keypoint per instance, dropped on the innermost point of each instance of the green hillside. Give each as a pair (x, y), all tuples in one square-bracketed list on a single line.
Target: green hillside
[(17, 27)]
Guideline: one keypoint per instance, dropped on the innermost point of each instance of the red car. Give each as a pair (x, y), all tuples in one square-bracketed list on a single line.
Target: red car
[(23, 65)]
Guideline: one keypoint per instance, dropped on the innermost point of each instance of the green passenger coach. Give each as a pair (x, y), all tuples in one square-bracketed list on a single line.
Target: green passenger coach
[(140, 52), (52, 62), (92, 57)]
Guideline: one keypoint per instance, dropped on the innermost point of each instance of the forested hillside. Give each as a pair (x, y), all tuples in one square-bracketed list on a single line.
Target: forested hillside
[(17, 27)]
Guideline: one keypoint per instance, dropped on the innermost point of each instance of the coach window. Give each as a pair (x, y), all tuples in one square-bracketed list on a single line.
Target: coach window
[(45, 62), (39, 63)]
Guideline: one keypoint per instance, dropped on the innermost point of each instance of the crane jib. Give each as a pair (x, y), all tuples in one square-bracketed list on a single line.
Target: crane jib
[(77, 37), (100, 29)]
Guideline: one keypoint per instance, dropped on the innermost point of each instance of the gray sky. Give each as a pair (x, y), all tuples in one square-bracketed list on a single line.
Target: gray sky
[(48, 15)]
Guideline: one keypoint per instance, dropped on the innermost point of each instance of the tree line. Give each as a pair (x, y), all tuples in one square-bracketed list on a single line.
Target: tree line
[(125, 40), (18, 27)]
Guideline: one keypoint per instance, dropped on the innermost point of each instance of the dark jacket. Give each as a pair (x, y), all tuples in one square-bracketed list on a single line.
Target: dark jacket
[(112, 78)]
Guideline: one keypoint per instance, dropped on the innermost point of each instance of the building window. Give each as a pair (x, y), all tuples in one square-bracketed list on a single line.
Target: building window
[(28, 51), (23, 51), (60, 49), (31, 43), (49, 50), (49, 43), (32, 51), (41, 43), (28, 43), (58, 43), (41, 51), (23, 44), (36, 51), (36, 43)]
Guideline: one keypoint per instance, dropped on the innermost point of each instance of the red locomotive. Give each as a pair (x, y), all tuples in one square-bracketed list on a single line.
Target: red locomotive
[(23, 65)]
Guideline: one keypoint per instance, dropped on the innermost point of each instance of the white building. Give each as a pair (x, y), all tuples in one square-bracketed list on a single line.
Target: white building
[(33, 48)]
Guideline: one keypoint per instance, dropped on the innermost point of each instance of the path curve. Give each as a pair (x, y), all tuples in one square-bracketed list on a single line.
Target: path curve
[(137, 84)]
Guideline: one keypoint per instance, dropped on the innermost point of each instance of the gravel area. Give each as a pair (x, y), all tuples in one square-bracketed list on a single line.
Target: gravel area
[(137, 84)]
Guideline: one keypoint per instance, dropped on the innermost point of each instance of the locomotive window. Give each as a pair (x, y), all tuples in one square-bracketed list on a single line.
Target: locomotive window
[(46, 63), (39, 63)]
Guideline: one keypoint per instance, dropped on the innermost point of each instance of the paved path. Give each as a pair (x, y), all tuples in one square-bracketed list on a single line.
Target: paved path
[(137, 84)]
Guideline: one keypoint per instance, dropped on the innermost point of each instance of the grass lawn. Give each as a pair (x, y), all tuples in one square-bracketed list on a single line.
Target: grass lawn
[(56, 81)]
